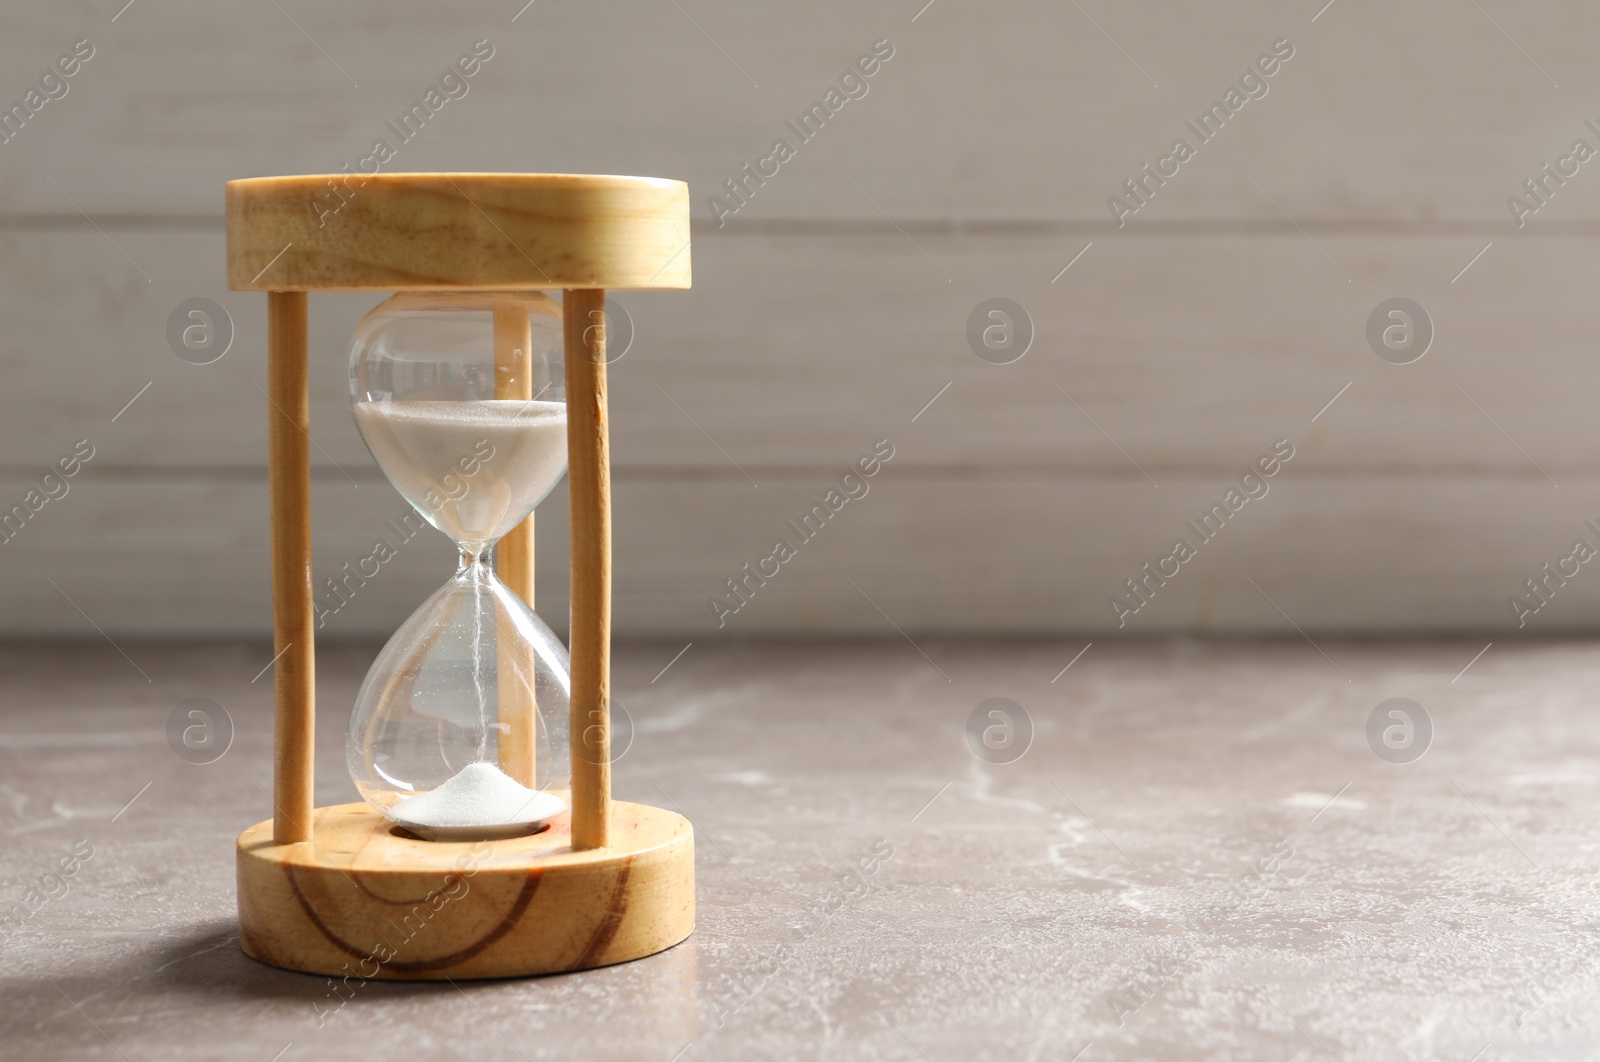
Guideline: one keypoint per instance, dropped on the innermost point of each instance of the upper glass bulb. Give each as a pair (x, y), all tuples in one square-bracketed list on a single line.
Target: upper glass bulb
[(473, 436)]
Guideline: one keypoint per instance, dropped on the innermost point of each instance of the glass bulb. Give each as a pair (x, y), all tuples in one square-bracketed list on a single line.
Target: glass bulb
[(459, 730)]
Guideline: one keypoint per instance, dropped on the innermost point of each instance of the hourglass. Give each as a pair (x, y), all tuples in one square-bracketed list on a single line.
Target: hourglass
[(487, 843)]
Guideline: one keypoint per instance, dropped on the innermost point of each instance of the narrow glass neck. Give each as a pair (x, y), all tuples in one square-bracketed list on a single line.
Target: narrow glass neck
[(477, 558)]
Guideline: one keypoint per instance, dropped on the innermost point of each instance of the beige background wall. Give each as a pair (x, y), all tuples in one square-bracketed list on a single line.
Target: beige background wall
[(833, 306)]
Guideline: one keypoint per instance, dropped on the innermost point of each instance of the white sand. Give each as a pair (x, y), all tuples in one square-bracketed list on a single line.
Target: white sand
[(434, 454), (479, 796)]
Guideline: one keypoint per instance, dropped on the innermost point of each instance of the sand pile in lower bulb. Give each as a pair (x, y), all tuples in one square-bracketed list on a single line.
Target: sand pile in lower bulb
[(480, 794)]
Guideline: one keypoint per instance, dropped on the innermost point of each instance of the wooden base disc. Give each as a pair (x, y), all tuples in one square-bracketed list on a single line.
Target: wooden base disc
[(365, 899)]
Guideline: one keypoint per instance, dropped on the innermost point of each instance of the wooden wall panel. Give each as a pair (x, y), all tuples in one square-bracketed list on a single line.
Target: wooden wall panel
[(1418, 113), (831, 308), (794, 351), (937, 553)]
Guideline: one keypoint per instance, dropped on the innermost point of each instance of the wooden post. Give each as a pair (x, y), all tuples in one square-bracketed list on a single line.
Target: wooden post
[(589, 487), (513, 345), (289, 479)]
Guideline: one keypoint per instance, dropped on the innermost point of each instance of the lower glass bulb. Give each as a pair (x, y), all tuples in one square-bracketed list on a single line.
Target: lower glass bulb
[(448, 736)]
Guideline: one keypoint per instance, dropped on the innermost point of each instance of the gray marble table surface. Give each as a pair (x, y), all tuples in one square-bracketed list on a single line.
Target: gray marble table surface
[(1205, 851)]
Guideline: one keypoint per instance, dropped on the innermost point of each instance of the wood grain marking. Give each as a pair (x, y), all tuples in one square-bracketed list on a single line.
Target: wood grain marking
[(505, 925), (607, 930)]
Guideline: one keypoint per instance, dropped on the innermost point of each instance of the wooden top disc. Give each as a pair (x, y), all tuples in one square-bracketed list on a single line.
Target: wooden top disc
[(410, 231)]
